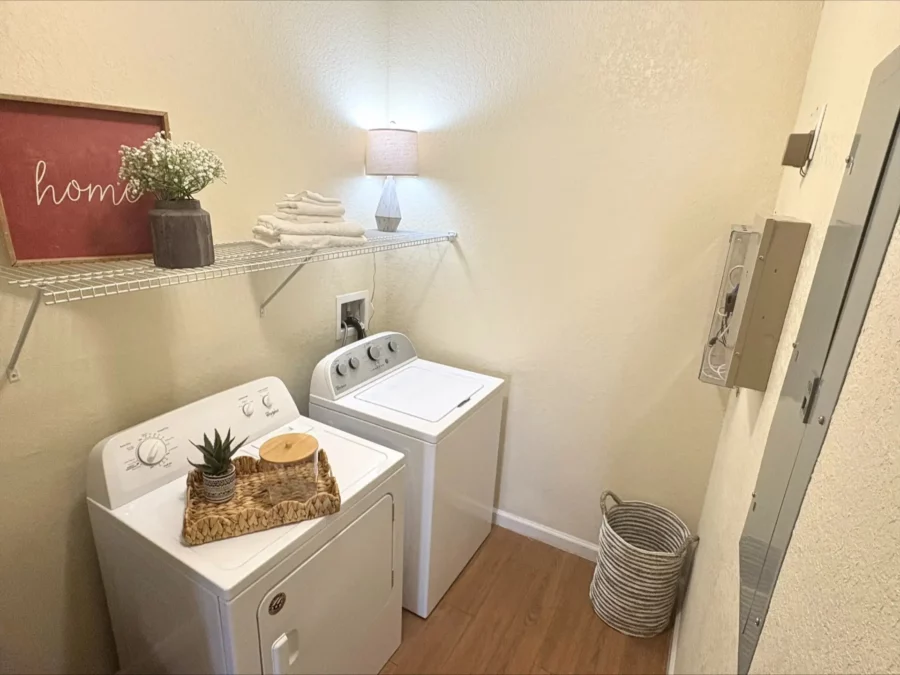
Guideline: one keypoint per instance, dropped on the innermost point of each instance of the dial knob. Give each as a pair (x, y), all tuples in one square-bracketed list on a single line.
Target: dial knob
[(374, 352), (247, 409), (267, 400), (354, 362), (392, 345), (151, 451), (341, 369)]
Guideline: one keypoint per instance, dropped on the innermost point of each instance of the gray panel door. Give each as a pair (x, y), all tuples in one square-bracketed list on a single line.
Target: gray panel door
[(862, 223)]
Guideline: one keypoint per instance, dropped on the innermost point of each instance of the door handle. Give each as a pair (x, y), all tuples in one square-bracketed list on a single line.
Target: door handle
[(285, 652)]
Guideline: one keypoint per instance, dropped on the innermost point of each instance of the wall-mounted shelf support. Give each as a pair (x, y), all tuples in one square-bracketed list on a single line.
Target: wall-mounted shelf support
[(262, 307), (69, 282), (12, 373)]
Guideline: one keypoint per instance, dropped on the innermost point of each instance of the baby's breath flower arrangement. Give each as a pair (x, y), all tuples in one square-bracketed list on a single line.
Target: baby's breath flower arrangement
[(181, 230), (171, 171)]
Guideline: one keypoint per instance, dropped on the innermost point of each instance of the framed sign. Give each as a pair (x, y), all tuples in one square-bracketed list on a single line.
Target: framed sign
[(60, 195)]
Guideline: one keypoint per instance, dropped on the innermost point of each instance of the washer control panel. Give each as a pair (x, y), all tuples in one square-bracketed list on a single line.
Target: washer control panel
[(137, 460), (357, 364)]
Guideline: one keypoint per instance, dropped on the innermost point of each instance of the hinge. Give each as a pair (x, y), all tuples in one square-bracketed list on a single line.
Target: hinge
[(393, 508), (851, 157), (809, 401)]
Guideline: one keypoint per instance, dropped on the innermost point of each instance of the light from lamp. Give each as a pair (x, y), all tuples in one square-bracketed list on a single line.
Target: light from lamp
[(392, 152)]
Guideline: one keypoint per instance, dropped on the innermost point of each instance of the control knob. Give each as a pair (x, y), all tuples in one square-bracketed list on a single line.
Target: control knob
[(247, 409), (341, 369), (354, 362), (374, 352), (392, 345), (151, 451), (267, 400)]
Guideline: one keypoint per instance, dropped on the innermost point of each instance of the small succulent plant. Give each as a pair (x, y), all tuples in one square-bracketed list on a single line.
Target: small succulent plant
[(217, 454)]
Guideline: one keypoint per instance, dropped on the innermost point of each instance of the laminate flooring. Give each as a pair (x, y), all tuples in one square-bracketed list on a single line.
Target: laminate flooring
[(521, 606)]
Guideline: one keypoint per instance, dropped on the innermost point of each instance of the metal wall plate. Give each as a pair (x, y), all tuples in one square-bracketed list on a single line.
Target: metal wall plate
[(768, 299), (754, 295), (862, 224)]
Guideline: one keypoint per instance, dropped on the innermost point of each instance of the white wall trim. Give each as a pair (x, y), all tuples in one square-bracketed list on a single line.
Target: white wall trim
[(673, 645), (557, 539)]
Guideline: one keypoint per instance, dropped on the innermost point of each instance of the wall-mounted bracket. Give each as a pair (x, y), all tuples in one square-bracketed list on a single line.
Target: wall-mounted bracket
[(287, 280), (12, 372), (801, 148)]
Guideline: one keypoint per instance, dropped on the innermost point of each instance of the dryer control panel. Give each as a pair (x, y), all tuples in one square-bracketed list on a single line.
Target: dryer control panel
[(135, 461), (352, 366)]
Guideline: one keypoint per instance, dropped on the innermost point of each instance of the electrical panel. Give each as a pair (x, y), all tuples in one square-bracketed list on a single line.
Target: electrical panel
[(757, 283)]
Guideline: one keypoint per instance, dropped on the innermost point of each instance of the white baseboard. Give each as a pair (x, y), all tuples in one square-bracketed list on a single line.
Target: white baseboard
[(555, 538), (673, 645)]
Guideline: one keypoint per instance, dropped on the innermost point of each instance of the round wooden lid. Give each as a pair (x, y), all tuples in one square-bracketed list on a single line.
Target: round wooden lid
[(288, 448)]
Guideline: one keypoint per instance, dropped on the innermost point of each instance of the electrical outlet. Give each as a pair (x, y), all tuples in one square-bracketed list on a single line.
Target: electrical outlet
[(351, 304)]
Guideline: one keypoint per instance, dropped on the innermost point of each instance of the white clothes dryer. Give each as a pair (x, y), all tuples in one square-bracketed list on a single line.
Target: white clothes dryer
[(447, 423), (321, 596)]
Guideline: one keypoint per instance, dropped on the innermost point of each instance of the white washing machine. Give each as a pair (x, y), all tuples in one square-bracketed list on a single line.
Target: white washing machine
[(322, 596), (447, 423)]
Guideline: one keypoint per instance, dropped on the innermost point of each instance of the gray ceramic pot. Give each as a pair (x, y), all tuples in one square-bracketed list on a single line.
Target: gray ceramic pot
[(182, 235), (219, 489)]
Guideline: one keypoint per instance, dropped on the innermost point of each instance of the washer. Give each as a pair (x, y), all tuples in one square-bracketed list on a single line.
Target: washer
[(322, 596), (447, 423)]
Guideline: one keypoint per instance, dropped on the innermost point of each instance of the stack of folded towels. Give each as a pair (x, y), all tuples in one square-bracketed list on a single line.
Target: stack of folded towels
[(310, 221)]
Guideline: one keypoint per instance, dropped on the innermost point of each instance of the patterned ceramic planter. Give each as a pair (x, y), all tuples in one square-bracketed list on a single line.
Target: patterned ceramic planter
[(182, 235), (219, 489)]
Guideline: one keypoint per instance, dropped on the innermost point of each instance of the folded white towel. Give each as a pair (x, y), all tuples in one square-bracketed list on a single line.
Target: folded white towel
[(312, 197), (279, 225), (293, 217), (309, 209), (309, 242)]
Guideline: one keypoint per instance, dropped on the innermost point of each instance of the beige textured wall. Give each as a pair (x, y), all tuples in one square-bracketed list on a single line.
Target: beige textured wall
[(592, 157), (281, 91), (836, 596)]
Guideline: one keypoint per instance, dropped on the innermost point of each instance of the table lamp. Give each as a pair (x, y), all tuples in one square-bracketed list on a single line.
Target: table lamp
[(391, 152)]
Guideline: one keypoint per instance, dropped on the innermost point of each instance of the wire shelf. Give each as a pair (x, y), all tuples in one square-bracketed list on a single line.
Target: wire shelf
[(60, 283)]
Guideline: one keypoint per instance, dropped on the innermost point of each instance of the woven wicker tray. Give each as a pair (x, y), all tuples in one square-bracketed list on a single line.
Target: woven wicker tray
[(250, 510)]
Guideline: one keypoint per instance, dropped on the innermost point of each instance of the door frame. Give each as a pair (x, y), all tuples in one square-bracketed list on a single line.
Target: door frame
[(856, 242)]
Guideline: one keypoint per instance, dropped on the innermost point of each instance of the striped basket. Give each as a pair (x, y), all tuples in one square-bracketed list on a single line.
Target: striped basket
[(642, 554)]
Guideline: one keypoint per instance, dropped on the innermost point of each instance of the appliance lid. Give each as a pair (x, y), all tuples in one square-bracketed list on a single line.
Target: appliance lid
[(422, 393), (229, 563)]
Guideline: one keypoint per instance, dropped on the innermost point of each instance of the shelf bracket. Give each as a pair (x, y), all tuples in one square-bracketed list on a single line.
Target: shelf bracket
[(262, 307), (12, 373)]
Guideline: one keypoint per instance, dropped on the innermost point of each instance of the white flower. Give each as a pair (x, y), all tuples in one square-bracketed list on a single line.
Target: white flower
[(169, 170)]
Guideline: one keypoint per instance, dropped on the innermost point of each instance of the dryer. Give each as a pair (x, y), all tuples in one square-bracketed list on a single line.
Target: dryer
[(447, 423), (321, 596)]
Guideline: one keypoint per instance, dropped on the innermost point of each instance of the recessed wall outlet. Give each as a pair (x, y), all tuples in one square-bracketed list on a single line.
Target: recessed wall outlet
[(351, 304)]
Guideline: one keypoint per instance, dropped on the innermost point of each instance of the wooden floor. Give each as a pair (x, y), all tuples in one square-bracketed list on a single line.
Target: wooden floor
[(521, 606)]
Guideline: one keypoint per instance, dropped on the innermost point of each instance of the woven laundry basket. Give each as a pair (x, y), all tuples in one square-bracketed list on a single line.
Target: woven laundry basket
[(640, 561)]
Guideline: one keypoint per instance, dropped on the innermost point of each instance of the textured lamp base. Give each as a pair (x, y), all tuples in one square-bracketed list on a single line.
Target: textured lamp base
[(387, 215)]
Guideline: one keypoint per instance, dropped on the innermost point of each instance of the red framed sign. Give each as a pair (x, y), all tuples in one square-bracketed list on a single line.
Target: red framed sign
[(60, 195)]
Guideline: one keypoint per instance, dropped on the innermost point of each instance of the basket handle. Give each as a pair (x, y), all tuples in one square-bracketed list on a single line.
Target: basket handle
[(606, 494), (690, 541)]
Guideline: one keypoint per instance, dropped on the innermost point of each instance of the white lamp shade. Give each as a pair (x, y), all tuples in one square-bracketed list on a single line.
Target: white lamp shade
[(392, 152)]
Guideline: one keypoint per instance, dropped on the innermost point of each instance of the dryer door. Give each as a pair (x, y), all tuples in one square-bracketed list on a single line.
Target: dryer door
[(331, 614)]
